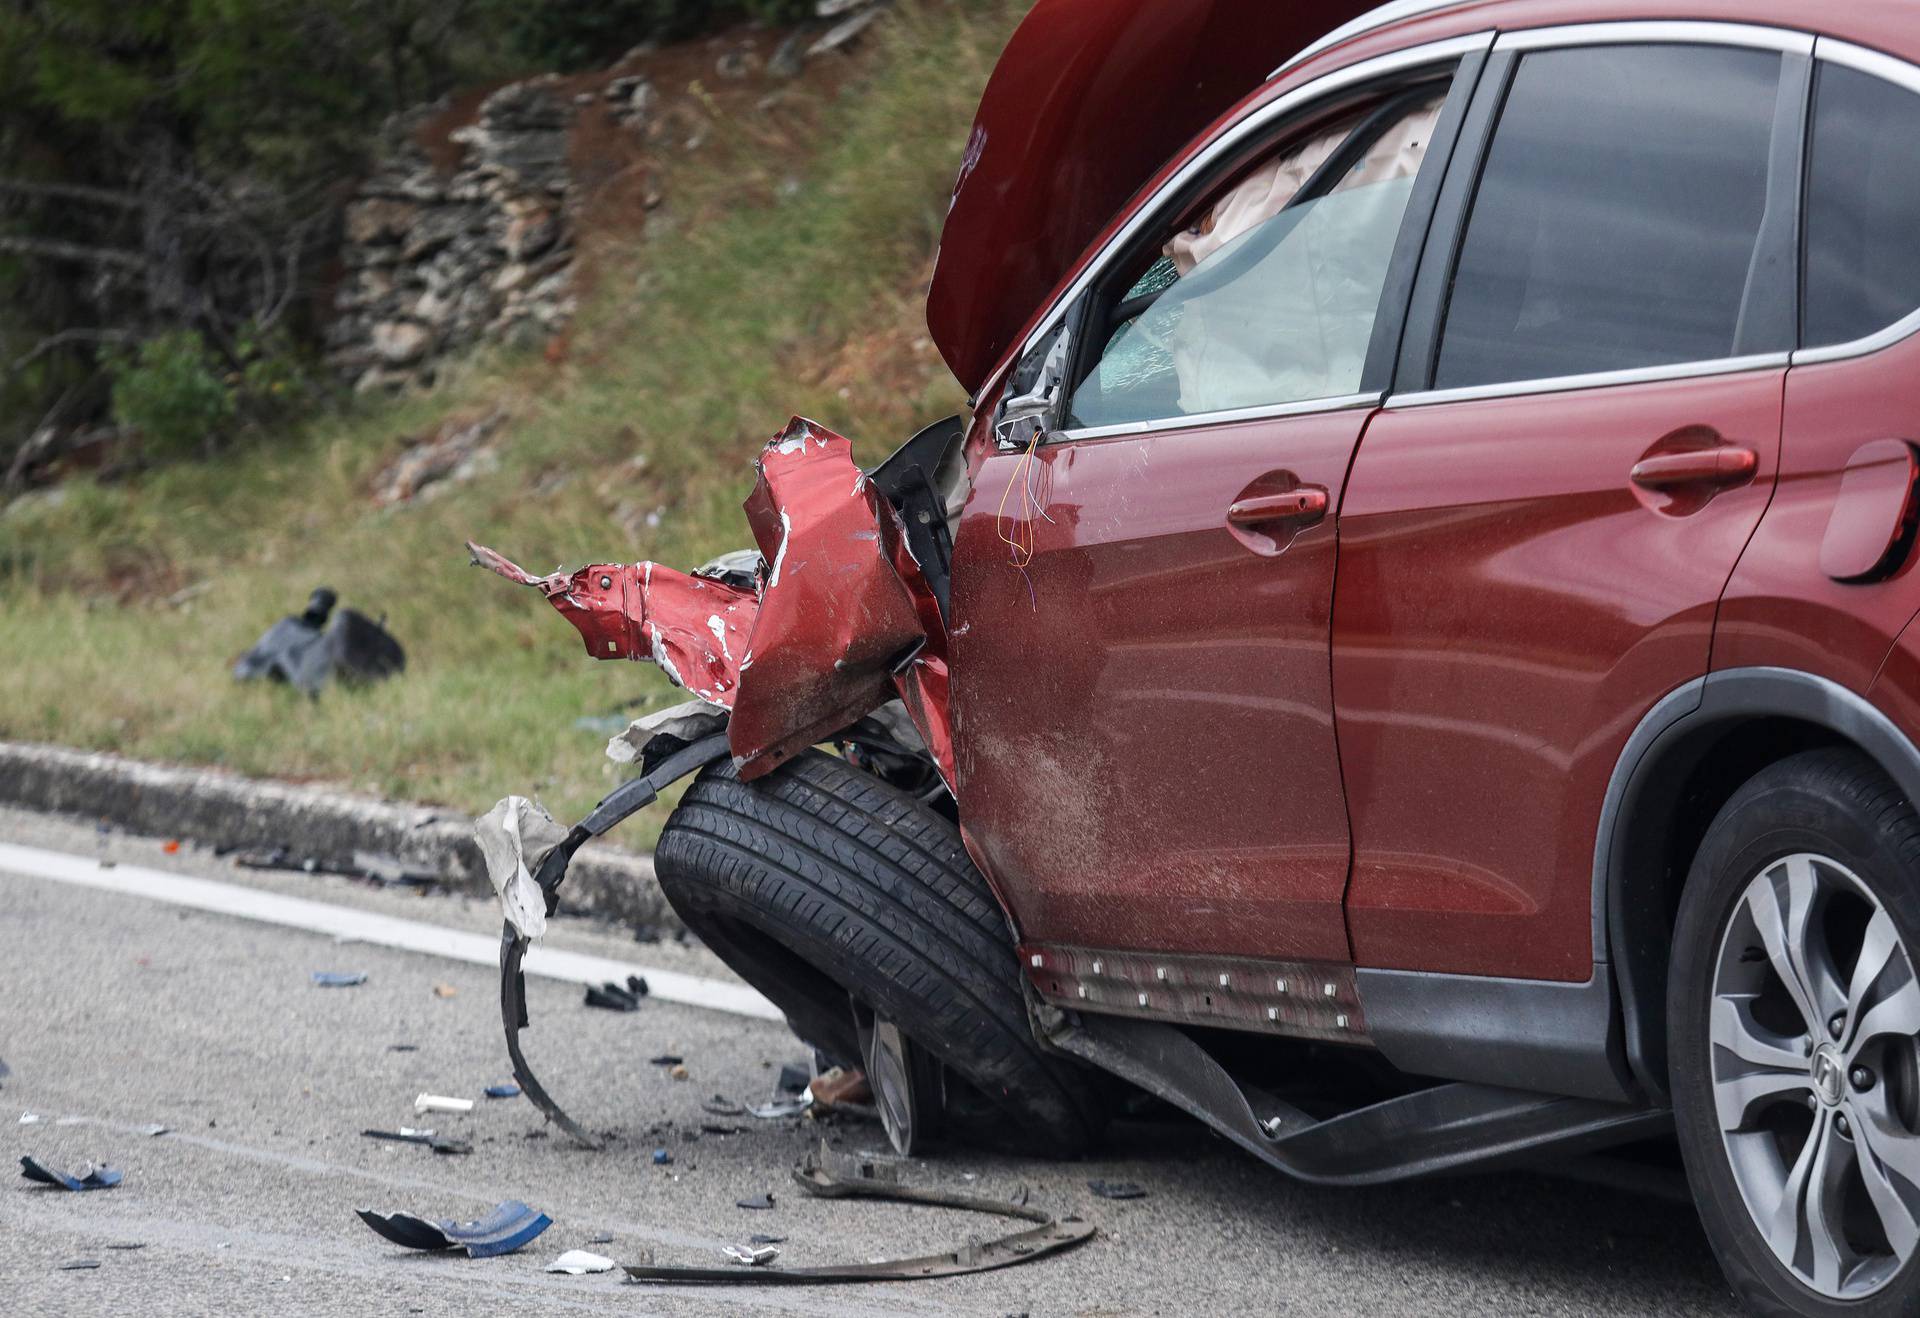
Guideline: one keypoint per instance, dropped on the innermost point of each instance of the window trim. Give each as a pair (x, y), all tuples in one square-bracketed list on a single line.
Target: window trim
[(1427, 318), (1232, 139), (1905, 76), (1338, 403)]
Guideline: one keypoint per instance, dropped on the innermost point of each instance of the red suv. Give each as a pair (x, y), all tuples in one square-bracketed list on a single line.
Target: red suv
[(1409, 659)]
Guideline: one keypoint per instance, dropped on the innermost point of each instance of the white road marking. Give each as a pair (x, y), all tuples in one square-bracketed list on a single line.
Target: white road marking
[(367, 927)]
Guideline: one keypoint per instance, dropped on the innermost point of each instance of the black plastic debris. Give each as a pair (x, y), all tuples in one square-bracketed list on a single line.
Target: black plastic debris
[(309, 648), (612, 997), (338, 978), (761, 1202), (719, 1128), (438, 1143), (403, 1047), (87, 1177), (503, 1091), (794, 1077), (761, 1238), (720, 1107), (1116, 1189), (665, 1059), (390, 871), (79, 1265), (126, 1244), (510, 1226), (604, 1238), (637, 985)]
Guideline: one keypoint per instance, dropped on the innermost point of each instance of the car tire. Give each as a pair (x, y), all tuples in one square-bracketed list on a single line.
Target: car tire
[(1792, 1012), (818, 883)]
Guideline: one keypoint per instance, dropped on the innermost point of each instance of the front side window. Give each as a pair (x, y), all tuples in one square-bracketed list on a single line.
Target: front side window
[(1863, 208), (1269, 297), (1617, 215)]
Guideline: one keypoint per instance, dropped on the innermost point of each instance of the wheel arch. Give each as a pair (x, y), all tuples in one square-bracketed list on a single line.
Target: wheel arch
[(1690, 753)]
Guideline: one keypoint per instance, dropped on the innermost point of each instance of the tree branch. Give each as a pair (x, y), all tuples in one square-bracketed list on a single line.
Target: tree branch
[(72, 191), (55, 250)]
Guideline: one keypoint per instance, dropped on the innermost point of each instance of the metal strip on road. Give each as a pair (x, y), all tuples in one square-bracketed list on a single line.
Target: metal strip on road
[(368, 927)]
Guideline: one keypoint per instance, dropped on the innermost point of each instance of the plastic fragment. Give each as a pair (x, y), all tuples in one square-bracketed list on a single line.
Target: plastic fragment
[(760, 1202), (662, 1158), (441, 1103), (503, 1091), (1116, 1189), (155, 1129), (126, 1244), (720, 1107), (86, 1177), (751, 1256), (338, 978), (612, 997), (79, 1265), (407, 1135), (578, 1262), (603, 1238), (445, 991), (665, 1059), (510, 1226), (761, 1238), (30, 1118)]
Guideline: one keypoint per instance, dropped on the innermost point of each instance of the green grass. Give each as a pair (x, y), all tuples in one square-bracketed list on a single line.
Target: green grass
[(754, 299)]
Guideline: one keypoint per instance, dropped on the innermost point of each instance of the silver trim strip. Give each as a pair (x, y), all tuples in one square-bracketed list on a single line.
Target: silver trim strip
[(1437, 52), (1658, 33), (1370, 21), (1597, 380), (1343, 403), (1900, 74)]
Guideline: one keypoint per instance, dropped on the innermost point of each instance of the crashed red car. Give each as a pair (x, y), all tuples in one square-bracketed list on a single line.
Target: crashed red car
[(1410, 658)]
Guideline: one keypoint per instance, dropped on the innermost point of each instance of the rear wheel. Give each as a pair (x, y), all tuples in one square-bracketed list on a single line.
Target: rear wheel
[(1794, 1018), (855, 909)]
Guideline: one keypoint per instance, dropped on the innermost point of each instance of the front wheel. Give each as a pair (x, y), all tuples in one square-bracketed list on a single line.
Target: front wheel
[(1794, 1025)]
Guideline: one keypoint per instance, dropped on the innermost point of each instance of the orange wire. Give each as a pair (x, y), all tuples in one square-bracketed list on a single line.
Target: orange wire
[(1020, 543)]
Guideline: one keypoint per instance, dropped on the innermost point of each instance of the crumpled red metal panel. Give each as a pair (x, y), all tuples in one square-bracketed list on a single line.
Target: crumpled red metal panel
[(835, 618), (695, 629), (844, 621)]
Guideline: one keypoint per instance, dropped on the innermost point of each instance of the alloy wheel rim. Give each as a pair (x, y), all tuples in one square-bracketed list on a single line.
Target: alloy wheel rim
[(1814, 1031)]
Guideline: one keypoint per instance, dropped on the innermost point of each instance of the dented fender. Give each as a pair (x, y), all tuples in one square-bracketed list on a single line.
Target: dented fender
[(844, 618)]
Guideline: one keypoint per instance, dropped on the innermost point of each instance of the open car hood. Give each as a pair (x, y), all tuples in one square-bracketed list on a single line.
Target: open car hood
[(1088, 101)]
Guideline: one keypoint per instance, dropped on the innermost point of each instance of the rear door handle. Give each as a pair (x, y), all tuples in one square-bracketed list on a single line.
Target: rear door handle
[(1307, 504), (1723, 465)]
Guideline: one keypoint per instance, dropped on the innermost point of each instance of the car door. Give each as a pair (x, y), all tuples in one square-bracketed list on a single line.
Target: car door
[(1143, 720), (1584, 435)]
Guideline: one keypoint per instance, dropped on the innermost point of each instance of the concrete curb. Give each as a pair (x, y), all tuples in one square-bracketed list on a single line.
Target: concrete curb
[(227, 810)]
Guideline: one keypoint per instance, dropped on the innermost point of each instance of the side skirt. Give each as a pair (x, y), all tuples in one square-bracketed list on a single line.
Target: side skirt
[(1446, 1128)]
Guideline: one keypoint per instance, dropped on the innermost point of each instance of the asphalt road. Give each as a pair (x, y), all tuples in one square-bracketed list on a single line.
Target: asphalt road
[(118, 1012)]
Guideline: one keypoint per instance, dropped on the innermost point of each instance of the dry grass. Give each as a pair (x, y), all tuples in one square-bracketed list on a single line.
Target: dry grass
[(694, 346)]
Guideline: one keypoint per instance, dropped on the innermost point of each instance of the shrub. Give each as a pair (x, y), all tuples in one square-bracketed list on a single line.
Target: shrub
[(171, 389)]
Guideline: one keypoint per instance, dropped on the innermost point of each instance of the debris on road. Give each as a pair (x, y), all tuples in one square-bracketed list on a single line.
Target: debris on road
[(126, 1244), (307, 649), (612, 997), (445, 991), (403, 1047), (662, 1158), (859, 1180), (760, 1202), (1116, 1189), (665, 1059), (87, 1177), (719, 1106), (510, 1226), (78, 1265), (392, 872), (30, 1119), (604, 1238), (751, 1256), (338, 978), (441, 1103), (154, 1129), (407, 1135), (578, 1262), (503, 1091)]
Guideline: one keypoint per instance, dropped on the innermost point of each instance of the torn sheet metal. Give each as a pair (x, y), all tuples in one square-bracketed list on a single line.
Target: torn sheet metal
[(694, 628), (86, 1177), (510, 1226), (859, 1181), (835, 619), (514, 837)]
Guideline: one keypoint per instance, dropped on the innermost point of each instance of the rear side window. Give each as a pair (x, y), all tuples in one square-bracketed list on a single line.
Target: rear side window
[(1863, 207), (1617, 216)]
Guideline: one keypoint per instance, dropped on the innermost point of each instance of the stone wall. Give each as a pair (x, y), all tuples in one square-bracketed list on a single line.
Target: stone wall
[(437, 261)]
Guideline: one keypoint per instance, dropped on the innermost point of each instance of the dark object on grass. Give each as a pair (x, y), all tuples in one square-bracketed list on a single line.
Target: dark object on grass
[(1048, 1236), (307, 649), (759, 1201), (88, 1177), (338, 978), (508, 1227), (1116, 1189), (612, 997), (438, 1143), (503, 1091)]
